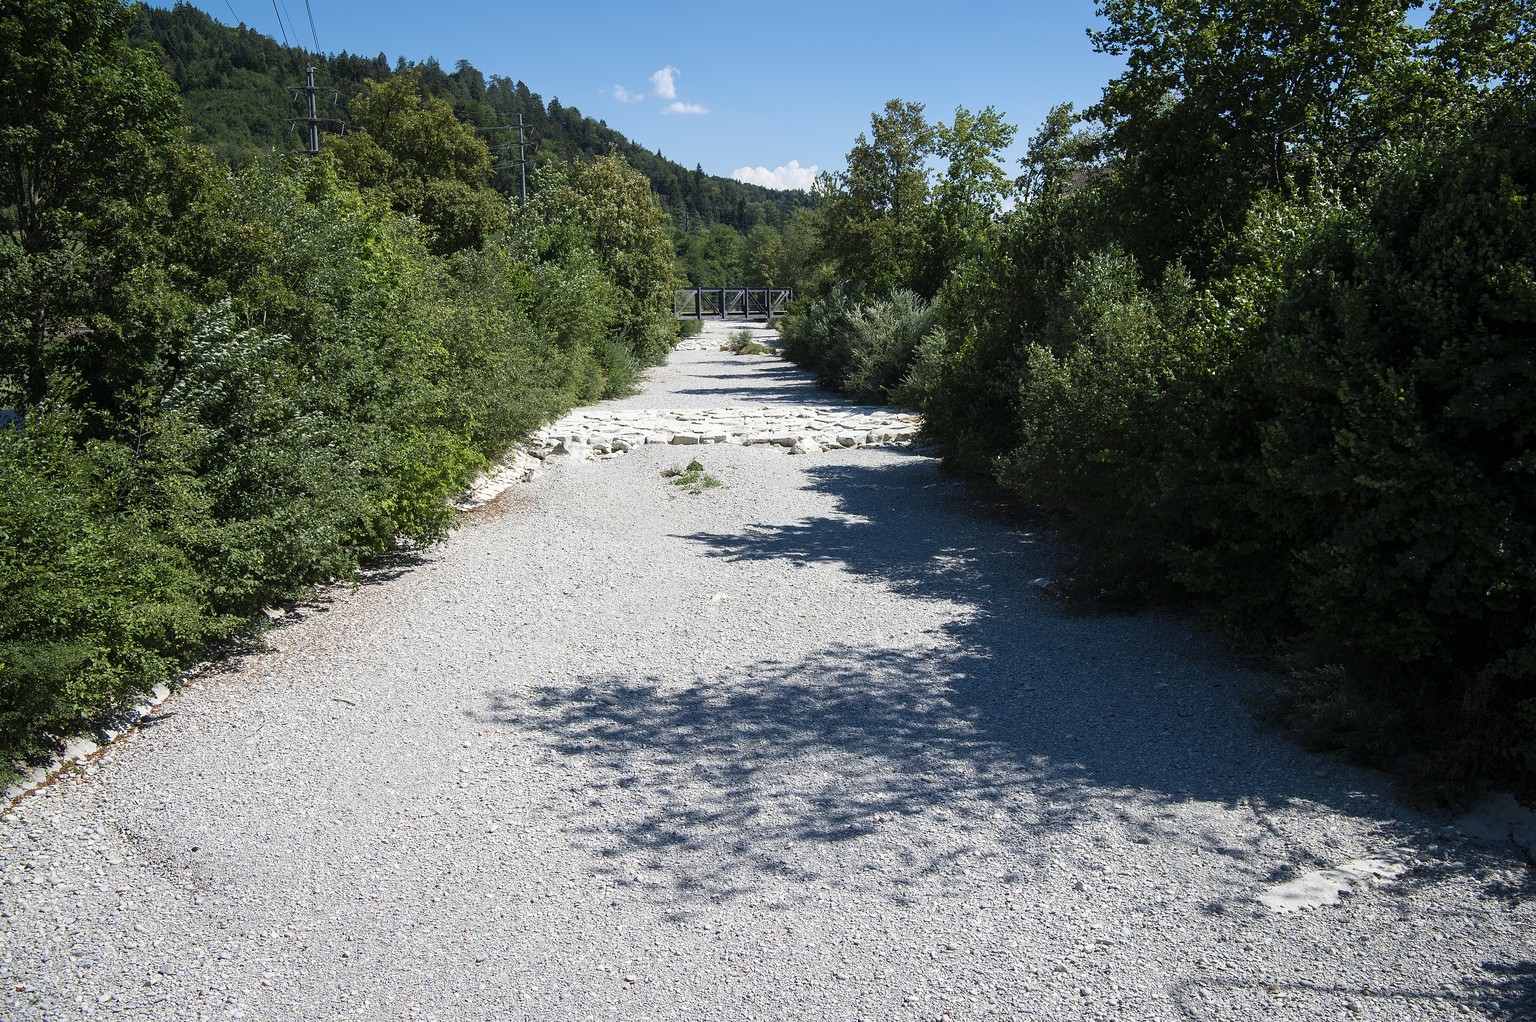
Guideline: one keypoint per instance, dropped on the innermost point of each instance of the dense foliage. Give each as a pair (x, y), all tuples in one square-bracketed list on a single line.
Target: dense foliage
[(221, 388), (1260, 328)]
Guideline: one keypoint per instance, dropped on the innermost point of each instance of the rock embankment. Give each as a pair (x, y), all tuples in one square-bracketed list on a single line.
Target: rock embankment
[(804, 430), (604, 432)]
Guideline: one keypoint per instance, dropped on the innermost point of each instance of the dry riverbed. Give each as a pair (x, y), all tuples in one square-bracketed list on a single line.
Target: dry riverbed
[(806, 744)]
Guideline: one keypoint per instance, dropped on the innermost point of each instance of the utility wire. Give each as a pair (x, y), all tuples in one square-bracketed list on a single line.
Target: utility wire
[(289, 16), (280, 27), (315, 35), (232, 13)]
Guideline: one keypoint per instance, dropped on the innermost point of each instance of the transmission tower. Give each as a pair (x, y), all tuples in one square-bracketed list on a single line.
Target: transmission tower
[(523, 143), (312, 120)]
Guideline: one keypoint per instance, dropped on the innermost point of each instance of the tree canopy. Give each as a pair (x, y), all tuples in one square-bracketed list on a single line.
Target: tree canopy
[(88, 130), (423, 159)]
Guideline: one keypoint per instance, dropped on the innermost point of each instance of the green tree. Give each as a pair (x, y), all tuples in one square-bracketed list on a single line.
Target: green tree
[(874, 212), (889, 223), (1062, 156), (1485, 45), (765, 251), (1221, 100), (714, 257), (605, 211), (968, 195), (88, 138), (800, 258), (414, 151)]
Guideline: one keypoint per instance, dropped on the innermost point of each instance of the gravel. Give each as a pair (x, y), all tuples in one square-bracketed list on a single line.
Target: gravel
[(807, 745)]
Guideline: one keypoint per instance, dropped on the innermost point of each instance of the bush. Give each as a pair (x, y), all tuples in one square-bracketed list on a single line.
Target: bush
[(885, 339), (1094, 399), (819, 336), (98, 605), (865, 349), (1397, 451), (990, 308), (741, 343)]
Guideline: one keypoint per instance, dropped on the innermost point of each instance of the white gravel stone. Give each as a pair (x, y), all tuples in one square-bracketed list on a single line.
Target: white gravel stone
[(883, 779)]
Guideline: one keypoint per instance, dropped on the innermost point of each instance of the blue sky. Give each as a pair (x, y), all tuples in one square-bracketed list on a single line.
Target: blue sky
[(734, 88)]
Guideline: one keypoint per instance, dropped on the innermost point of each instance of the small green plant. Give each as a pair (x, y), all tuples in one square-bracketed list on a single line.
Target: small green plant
[(687, 328), (741, 343), (693, 478)]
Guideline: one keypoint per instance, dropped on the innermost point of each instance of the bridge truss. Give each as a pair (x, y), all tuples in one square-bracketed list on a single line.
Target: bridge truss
[(730, 302)]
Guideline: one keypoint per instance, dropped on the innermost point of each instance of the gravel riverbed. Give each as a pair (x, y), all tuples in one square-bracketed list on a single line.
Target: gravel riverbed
[(806, 745)]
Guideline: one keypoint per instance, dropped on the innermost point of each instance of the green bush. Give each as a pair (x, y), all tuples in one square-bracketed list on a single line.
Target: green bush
[(885, 338), (98, 605), (1396, 461), (1094, 396), (990, 308), (819, 337)]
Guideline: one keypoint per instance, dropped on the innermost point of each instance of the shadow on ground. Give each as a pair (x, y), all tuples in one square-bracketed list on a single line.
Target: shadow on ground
[(1017, 735), (780, 384)]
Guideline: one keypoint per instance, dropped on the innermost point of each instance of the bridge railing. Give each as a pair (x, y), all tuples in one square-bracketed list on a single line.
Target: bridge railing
[(730, 302)]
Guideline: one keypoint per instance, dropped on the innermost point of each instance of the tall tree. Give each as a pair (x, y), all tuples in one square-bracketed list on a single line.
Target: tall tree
[(88, 130), (969, 194), (889, 222), (1223, 99), (430, 165), (872, 222)]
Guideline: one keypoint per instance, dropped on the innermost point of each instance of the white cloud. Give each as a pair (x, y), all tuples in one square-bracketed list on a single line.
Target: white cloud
[(623, 95), (789, 176), (684, 108), (664, 82)]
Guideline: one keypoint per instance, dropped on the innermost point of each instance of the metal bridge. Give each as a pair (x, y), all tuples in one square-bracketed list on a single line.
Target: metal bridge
[(728, 302)]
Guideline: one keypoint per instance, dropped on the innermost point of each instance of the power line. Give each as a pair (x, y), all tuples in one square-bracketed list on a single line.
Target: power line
[(280, 27), (315, 35), (232, 13), (289, 16)]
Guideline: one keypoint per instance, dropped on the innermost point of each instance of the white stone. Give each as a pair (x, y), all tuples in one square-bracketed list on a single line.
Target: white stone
[(1325, 886)]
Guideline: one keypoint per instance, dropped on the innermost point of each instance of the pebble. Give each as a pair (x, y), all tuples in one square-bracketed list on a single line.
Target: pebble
[(848, 782)]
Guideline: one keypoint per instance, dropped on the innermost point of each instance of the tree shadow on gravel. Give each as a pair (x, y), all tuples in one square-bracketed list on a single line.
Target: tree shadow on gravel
[(1018, 735), (393, 564), (767, 384), (1508, 991)]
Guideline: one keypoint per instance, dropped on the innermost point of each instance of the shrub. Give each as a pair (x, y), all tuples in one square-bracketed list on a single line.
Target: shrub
[(1397, 455), (885, 337), (98, 605), (819, 336), (1094, 401), (741, 343)]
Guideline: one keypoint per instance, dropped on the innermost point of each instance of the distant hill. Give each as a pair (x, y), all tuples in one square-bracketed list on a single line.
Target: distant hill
[(237, 87)]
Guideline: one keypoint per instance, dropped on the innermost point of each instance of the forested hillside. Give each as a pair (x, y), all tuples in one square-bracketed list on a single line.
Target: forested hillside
[(1259, 329), (237, 87), (222, 387)]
